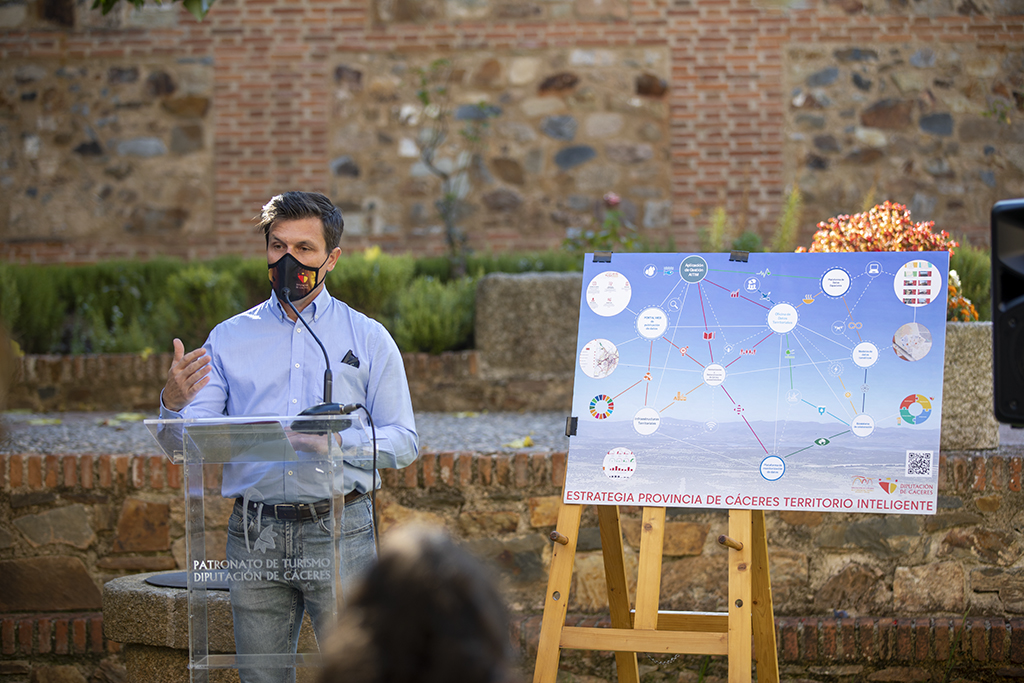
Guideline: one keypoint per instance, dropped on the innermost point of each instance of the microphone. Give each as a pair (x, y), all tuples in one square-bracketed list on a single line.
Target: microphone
[(327, 407)]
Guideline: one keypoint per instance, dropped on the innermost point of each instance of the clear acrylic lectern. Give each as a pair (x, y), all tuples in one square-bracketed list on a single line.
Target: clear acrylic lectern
[(269, 458)]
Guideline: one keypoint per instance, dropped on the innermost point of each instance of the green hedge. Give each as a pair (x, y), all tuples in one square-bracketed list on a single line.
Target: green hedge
[(128, 306)]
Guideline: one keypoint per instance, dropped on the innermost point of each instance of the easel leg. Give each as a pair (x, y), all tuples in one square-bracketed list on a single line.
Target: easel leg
[(740, 597), (618, 590), (765, 645), (557, 598), (648, 582)]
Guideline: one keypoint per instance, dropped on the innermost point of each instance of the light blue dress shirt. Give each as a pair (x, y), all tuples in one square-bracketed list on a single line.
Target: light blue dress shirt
[(264, 364)]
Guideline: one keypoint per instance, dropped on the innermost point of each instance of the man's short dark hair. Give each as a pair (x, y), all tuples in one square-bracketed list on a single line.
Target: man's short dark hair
[(292, 206)]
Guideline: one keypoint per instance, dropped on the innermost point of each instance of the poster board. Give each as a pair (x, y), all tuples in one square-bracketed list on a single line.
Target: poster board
[(785, 382)]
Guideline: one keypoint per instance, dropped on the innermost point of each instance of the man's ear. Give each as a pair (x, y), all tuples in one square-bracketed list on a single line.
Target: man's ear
[(332, 259)]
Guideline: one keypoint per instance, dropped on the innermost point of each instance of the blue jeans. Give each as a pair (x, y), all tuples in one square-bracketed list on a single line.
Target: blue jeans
[(268, 612)]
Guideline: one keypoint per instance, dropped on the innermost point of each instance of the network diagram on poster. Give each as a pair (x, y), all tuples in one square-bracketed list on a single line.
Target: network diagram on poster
[(789, 381)]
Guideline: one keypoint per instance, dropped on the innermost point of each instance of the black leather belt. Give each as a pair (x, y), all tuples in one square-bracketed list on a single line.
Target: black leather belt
[(298, 512)]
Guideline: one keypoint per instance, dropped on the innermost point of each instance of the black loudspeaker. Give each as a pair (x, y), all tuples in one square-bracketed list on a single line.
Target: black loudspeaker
[(1008, 309)]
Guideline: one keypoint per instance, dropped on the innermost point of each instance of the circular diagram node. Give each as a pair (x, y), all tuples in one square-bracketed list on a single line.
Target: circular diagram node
[(835, 282), (714, 375), (602, 407), (651, 323), (865, 354), (912, 341), (782, 318), (599, 358), (608, 294), (773, 467), (693, 269), (646, 421), (619, 463), (862, 425), (909, 415), (918, 283)]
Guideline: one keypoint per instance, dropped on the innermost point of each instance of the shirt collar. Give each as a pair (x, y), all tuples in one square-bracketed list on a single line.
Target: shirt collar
[(311, 313)]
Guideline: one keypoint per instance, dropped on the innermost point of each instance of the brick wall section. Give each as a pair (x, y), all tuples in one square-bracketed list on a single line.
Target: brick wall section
[(273, 100), (54, 634)]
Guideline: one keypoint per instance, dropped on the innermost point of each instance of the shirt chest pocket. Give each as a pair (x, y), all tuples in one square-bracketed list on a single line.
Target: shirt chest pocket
[(349, 383)]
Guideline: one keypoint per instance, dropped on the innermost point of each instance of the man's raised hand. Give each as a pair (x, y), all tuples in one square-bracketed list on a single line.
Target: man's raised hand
[(187, 375)]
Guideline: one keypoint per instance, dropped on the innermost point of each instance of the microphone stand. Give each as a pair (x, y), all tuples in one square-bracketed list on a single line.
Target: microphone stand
[(328, 407)]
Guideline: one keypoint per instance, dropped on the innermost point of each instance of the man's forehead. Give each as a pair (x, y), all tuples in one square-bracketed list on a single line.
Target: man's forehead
[(299, 230)]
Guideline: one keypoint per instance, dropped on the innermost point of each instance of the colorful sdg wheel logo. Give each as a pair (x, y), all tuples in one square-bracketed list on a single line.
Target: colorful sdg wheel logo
[(909, 417), (601, 407)]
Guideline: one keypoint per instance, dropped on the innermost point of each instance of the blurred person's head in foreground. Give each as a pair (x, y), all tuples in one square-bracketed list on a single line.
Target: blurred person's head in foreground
[(427, 612)]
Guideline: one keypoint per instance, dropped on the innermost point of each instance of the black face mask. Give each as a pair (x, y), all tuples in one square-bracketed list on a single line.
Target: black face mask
[(288, 272)]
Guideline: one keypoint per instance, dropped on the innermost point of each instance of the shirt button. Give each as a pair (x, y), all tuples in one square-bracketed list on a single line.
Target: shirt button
[(296, 365), (298, 330), (289, 473), (295, 400)]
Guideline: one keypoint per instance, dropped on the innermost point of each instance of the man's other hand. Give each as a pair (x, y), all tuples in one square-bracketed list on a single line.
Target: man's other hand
[(187, 375)]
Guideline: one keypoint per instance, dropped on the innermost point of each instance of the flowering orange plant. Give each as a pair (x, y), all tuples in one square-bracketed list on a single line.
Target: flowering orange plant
[(889, 227), (886, 227)]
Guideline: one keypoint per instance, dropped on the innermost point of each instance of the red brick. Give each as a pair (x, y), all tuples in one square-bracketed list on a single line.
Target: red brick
[(922, 636), (428, 461), (106, 471), (539, 469), (156, 471), (1017, 641), (121, 464), (80, 631), (60, 637), (173, 475), (904, 640), (522, 470), (70, 471), (464, 465), (810, 639), (35, 471), (25, 628), (138, 471), (503, 466), (16, 471), (44, 629), (866, 638), (558, 461), (3, 471), (943, 639), (113, 647), (1015, 468), (848, 637), (979, 640), (886, 637), (96, 634), (52, 471), (828, 640), (997, 640), (484, 468), (7, 627), (446, 464), (979, 474)]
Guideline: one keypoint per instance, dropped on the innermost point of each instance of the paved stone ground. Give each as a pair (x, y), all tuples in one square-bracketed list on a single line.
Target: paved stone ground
[(112, 433)]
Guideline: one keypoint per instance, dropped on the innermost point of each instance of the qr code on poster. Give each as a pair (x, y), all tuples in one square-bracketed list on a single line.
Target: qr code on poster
[(919, 463)]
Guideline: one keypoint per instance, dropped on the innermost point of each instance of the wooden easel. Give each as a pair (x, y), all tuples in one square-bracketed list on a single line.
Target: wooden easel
[(647, 629)]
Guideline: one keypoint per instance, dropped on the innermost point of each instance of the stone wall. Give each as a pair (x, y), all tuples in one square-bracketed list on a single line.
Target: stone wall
[(70, 523), (146, 133)]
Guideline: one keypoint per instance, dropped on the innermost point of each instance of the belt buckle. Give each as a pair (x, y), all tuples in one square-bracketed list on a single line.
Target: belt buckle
[(285, 511)]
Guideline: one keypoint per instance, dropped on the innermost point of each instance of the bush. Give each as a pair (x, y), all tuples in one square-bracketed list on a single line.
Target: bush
[(197, 299), (974, 266), (434, 316), (371, 282)]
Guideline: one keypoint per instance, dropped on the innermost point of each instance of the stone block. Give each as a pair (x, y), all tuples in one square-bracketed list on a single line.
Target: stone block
[(544, 510), (530, 316), (47, 584), (571, 157), (967, 419), (67, 525), (57, 674), (929, 588), (992, 546), (590, 588), (143, 526), (603, 124), (857, 589), (392, 514), (488, 523), (1007, 583), (889, 114), (681, 538)]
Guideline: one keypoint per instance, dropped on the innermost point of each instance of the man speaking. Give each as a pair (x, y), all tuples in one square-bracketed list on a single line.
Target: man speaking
[(266, 362)]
